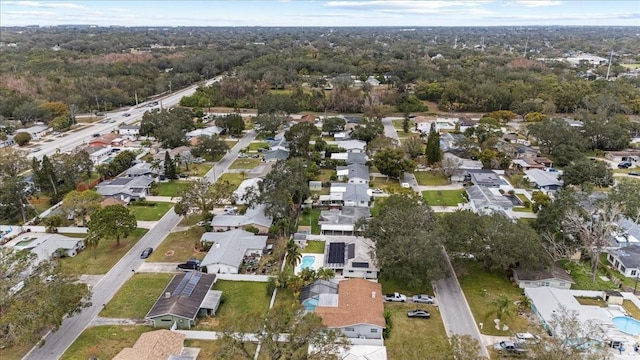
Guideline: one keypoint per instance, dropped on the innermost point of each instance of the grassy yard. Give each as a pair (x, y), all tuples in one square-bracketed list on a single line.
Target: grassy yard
[(431, 178), (390, 186), (482, 288), (415, 338), (254, 146), (523, 209), (233, 178), (246, 163), (581, 274), (284, 296), (398, 124), (190, 220), (591, 301), (311, 218), (150, 213), (230, 142), (107, 254), (316, 247), (179, 246), (443, 197), (325, 175), (523, 198), (198, 169), (104, 341), (209, 348), (239, 299), (171, 188), (631, 309), (393, 285), (136, 297), (16, 352), (42, 203)]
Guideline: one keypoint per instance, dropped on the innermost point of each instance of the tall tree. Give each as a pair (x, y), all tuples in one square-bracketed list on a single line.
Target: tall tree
[(81, 204), (333, 125), (232, 123), (45, 176), (587, 173), (202, 195), (169, 167), (413, 146), (168, 126), (367, 130), (392, 163), (12, 162), (293, 254), (112, 222), (434, 154), (14, 199), (299, 136), (270, 123), (211, 148)]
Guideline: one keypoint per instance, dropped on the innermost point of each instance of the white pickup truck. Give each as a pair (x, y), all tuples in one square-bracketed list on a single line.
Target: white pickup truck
[(396, 297)]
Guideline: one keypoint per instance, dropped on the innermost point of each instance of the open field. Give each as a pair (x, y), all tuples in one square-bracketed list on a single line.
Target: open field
[(311, 218), (150, 213), (179, 246), (233, 178), (171, 188), (197, 169), (431, 178), (105, 342), (246, 163), (444, 197), (136, 297)]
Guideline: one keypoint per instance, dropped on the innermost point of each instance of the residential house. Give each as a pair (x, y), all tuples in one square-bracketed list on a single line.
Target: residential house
[(351, 157), (341, 136), (141, 169), (554, 276), (187, 296), (510, 138), (183, 151), (275, 155), (449, 141), (8, 142), (359, 310), (627, 233), (626, 260), (278, 143), (632, 156), (46, 246), (107, 140), (487, 200), (244, 187), (341, 222), (467, 122), (357, 146), (126, 188), (346, 194), (460, 173), (230, 249), (352, 119), (129, 130), (484, 178), (254, 216), (98, 153), (544, 180), (350, 257), (371, 80), (353, 174), (208, 132), (528, 163), (310, 295), (155, 345), (37, 131)]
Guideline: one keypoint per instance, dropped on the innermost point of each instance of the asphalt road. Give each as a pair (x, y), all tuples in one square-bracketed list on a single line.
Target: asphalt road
[(72, 139), (56, 343)]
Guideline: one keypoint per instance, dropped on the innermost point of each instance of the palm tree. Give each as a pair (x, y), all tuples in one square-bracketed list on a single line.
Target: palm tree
[(293, 255), (155, 166), (325, 273), (503, 307), (308, 276), (92, 241)]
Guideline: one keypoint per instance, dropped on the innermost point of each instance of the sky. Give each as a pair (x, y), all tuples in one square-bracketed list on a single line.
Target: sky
[(320, 13)]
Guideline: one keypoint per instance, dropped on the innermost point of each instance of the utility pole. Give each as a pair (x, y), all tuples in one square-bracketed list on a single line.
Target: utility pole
[(97, 103), (136, 95), (170, 87), (609, 68)]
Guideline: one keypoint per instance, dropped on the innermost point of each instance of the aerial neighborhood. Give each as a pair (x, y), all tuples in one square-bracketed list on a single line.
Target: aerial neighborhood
[(349, 193)]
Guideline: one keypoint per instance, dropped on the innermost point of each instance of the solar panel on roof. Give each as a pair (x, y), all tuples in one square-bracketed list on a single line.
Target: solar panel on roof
[(181, 285), (336, 253), (191, 284), (360, 264), (351, 251)]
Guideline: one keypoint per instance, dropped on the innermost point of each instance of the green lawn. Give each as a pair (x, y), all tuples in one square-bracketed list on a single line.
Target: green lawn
[(390, 186), (246, 163), (254, 146), (631, 309), (316, 247), (581, 275), (232, 178), (190, 220), (481, 287), (444, 197), (137, 296), (416, 338), (284, 296), (209, 348), (171, 188), (150, 213), (197, 169), (523, 209), (15, 352), (431, 178), (397, 124), (523, 198), (179, 246), (239, 298), (325, 175), (310, 218), (591, 301), (104, 341), (393, 285), (107, 254)]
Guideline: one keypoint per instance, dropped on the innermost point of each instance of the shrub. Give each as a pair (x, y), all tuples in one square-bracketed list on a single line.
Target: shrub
[(387, 319), (527, 204), (142, 203), (251, 229), (22, 138)]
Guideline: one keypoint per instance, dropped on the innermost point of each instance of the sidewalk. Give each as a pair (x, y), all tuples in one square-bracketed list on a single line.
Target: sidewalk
[(99, 321), (163, 199), (456, 186), (146, 224)]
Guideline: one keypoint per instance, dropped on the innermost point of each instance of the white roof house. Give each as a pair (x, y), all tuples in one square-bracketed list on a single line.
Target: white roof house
[(228, 250), (46, 245), (544, 180), (352, 145), (253, 217), (244, 187), (487, 200), (208, 132), (35, 131)]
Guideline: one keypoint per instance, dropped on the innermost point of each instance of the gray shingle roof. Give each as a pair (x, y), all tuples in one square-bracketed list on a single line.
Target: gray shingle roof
[(355, 171), (139, 169), (543, 178), (483, 197), (124, 185), (629, 256), (229, 247), (187, 291), (277, 154), (356, 158), (253, 216)]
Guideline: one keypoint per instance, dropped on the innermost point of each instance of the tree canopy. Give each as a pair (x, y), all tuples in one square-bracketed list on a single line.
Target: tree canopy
[(111, 222)]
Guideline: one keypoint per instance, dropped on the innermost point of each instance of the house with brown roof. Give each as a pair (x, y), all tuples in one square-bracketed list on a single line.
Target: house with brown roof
[(307, 118), (107, 140), (187, 296), (112, 201), (155, 345), (357, 310), (629, 155)]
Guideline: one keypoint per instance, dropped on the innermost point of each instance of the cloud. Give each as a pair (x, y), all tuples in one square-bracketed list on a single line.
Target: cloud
[(538, 3), (45, 5), (29, 13), (403, 6)]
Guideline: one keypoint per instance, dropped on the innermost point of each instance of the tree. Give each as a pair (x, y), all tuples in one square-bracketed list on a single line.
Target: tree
[(211, 148), (81, 204), (168, 126), (56, 109), (380, 142), (627, 195), (487, 157), (120, 163), (304, 330), (333, 125), (269, 123), (111, 222), (408, 254), (405, 123), (169, 167), (61, 123), (325, 273), (451, 166), (14, 199), (413, 146), (433, 152), (587, 172), (570, 337), (232, 123), (535, 117), (503, 307), (540, 200), (40, 301), (392, 163), (299, 136), (45, 176), (22, 138), (12, 162), (293, 253), (367, 130)]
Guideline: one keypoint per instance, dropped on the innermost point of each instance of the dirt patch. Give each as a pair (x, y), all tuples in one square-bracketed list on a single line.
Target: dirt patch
[(169, 253)]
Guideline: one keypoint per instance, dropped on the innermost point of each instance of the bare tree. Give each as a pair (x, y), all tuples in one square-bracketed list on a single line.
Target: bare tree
[(450, 166)]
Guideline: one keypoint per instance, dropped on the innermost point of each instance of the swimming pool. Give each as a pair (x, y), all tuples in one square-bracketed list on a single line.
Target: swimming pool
[(307, 262), (627, 324), (108, 160)]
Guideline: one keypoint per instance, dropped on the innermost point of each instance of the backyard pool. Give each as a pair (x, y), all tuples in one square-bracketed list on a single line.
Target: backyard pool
[(627, 324), (25, 242), (108, 160), (307, 262)]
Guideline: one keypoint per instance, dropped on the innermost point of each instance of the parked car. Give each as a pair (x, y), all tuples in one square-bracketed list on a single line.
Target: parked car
[(424, 314), (424, 299), (230, 210), (395, 297), (190, 265), (126, 114), (36, 150), (634, 173), (96, 135), (377, 191), (183, 176), (146, 253), (201, 223), (527, 338), (624, 165), (242, 155), (510, 347)]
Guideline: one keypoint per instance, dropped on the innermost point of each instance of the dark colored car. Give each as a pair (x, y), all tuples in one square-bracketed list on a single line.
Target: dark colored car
[(126, 114), (624, 165), (634, 173), (146, 253), (191, 264), (418, 314)]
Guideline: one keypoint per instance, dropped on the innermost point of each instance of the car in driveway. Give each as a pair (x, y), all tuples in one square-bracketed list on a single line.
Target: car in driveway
[(377, 191), (395, 297), (509, 347), (624, 165), (126, 114), (424, 299), (201, 223), (189, 265), (146, 253), (418, 313)]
